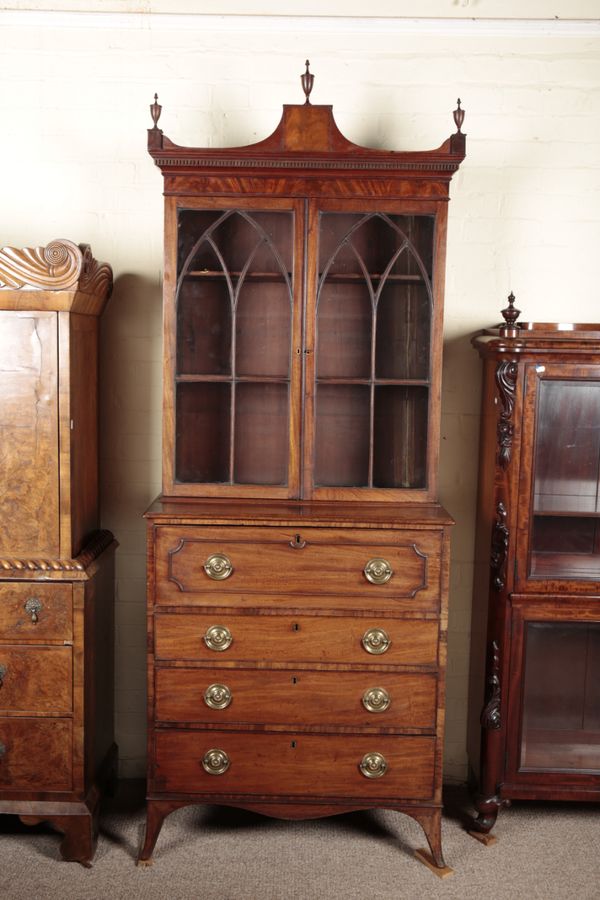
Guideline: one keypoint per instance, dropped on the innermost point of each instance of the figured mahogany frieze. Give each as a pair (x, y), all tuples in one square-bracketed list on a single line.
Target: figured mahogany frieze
[(291, 186), (499, 554), (506, 382), (490, 715)]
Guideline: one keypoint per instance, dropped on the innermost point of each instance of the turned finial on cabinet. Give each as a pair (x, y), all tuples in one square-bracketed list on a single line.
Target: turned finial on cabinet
[(459, 116), (155, 111), (510, 315), (307, 80)]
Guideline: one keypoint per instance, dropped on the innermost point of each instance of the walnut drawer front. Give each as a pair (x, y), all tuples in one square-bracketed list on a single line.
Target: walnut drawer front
[(35, 753), (193, 560), (36, 679), (35, 612), (358, 699), (285, 638), (295, 764)]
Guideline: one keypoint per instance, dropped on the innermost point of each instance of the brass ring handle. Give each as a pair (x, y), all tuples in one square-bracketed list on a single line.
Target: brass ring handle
[(217, 696), (218, 638), (376, 700), (215, 762), (376, 641), (373, 765), (378, 571), (33, 606), (3, 671), (218, 567)]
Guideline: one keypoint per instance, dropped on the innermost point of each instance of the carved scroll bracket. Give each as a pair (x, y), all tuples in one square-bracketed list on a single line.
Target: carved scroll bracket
[(506, 382), (499, 553), (490, 715)]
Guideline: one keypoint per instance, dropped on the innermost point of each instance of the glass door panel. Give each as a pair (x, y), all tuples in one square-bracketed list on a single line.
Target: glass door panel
[(560, 727), (234, 328), (342, 438), (565, 533), (373, 349), (399, 436)]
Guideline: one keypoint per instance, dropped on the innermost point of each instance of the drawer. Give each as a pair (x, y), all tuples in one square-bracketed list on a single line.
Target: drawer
[(284, 638), (321, 699), (35, 612), (206, 565), (35, 754), (295, 764), (36, 679)]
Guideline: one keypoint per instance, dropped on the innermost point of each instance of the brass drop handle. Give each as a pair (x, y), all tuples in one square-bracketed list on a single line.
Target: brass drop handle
[(218, 638), (215, 762), (378, 571), (373, 765), (218, 567), (376, 700), (217, 696), (3, 671), (33, 606), (376, 641)]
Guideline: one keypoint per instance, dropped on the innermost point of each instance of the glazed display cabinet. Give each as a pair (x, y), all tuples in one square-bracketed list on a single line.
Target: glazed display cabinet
[(298, 557), (57, 750), (536, 618)]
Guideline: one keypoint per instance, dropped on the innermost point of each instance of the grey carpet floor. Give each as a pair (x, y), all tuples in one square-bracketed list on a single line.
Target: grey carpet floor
[(210, 853)]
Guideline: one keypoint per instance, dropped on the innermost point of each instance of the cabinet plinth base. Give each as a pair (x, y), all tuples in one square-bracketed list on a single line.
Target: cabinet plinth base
[(76, 820)]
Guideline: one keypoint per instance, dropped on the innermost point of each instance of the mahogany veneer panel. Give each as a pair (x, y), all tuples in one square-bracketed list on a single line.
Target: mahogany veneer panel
[(295, 639), (295, 764), (322, 699), (54, 618), (36, 751), (36, 679), (331, 562), (29, 471)]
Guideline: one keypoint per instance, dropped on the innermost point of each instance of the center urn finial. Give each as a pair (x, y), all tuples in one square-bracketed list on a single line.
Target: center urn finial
[(307, 80)]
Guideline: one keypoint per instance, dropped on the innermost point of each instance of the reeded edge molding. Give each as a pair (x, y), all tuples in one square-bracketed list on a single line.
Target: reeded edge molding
[(59, 266), (359, 25), (100, 541)]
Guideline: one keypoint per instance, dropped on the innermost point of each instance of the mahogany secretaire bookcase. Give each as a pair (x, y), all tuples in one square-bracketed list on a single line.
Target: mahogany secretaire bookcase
[(56, 566), (535, 667), (298, 558)]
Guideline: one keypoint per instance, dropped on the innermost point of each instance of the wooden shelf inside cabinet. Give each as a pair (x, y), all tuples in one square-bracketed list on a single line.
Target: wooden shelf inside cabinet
[(299, 567)]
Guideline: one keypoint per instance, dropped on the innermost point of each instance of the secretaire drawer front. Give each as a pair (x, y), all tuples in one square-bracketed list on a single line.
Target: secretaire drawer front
[(382, 568), (35, 752), (361, 766), (35, 612), (322, 699), (36, 679), (287, 638)]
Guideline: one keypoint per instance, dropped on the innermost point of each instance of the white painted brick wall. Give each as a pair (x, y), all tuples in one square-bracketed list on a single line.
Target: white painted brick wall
[(525, 215)]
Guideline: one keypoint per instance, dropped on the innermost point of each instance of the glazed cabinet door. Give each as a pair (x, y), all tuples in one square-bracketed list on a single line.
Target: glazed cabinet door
[(233, 298), (554, 702), (372, 321), (559, 536)]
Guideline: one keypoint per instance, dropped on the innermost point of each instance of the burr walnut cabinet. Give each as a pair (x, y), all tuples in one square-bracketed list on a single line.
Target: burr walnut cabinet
[(535, 668), (298, 558), (56, 565)]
